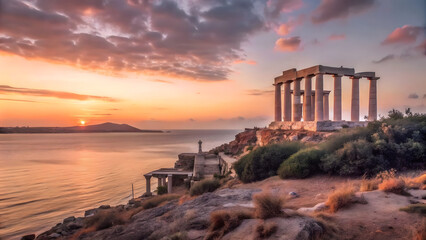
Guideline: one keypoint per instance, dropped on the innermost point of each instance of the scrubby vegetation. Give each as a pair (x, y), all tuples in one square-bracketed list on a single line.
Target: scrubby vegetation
[(268, 205), (265, 230), (161, 190), (302, 164), (415, 208), (263, 162), (224, 221), (157, 200), (395, 142), (340, 198), (203, 186)]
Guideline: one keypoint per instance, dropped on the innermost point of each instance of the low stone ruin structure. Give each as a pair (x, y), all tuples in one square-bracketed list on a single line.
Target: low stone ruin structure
[(311, 112)]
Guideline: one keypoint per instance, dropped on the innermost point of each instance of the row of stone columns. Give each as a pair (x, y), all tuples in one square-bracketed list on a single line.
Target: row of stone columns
[(161, 182), (316, 106)]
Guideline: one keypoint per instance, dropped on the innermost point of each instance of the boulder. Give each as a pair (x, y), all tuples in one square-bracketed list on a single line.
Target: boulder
[(28, 237)]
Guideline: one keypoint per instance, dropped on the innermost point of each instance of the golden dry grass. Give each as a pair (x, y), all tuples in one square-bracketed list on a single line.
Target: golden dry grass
[(415, 183), (369, 184), (224, 221), (393, 185), (158, 200), (268, 205), (340, 198)]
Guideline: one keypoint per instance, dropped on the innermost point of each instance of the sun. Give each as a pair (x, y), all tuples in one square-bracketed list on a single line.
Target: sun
[(82, 123)]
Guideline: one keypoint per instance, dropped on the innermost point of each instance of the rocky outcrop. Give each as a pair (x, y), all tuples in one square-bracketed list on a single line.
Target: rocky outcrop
[(265, 136), (191, 218), (185, 161)]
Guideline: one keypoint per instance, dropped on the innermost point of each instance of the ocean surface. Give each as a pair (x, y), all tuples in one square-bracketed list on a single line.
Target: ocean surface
[(45, 178)]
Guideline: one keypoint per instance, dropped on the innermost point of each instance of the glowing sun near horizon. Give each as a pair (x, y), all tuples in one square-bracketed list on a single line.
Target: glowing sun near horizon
[(82, 123)]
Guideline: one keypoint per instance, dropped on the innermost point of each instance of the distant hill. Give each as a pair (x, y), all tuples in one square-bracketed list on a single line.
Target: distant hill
[(98, 128)]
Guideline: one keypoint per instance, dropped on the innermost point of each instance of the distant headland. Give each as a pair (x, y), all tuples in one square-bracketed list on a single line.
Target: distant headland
[(98, 128)]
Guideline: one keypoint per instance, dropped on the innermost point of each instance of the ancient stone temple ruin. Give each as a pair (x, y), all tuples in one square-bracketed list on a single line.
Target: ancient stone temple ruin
[(309, 108)]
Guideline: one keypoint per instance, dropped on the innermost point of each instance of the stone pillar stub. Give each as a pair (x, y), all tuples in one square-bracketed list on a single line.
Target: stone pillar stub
[(148, 185), (297, 101), (319, 88), (326, 107), (307, 116), (337, 102), (278, 108), (372, 100), (313, 107), (287, 102), (170, 183), (355, 99)]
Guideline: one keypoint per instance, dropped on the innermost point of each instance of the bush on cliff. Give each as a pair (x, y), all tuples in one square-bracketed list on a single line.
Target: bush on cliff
[(203, 186), (264, 162), (301, 164)]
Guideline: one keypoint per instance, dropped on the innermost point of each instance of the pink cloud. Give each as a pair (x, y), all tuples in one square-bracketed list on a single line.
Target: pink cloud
[(404, 34), (249, 62), (337, 37), (285, 28), (339, 9), (275, 7), (288, 44)]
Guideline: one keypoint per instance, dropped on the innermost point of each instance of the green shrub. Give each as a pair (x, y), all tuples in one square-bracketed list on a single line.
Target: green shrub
[(301, 164), (264, 162), (354, 159), (161, 190), (203, 186)]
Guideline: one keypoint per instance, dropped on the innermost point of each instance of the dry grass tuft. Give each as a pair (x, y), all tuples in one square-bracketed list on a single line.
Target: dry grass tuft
[(369, 184), (268, 205), (421, 232), (265, 230), (224, 221), (415, 183), (157, 200), (393, 185), (340, 198)]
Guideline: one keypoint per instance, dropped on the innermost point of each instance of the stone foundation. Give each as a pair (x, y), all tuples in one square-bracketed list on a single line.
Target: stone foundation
[(316, 126)]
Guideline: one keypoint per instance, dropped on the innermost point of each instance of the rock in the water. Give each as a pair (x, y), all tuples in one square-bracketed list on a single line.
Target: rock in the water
[(28, 237), (69, 219), (105, 207), (90, 212)]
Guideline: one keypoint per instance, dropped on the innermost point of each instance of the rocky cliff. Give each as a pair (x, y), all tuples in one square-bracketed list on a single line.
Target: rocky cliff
[(263, 136)]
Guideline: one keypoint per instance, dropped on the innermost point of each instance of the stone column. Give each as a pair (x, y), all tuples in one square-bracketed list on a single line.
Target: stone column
[(287, 102), (355, 99), (313, 106), (337, 109), (297, 101), (372, 100), (319, 85), (148, 185), (278, 109), (170, 183), (307, 99), (326, 106)]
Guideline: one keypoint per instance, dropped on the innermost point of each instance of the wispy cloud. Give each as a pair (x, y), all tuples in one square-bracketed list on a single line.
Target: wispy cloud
[(334, 37), (249, 62), (413, 96), (257, 92), (339, 9), (161, 81), (385, 58), (4, 89), (18, 100)]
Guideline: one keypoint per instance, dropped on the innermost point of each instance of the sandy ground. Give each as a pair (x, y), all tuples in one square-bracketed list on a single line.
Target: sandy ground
[(379, 219)]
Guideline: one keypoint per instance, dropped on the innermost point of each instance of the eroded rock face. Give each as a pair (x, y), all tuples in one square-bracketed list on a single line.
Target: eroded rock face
[(265, 136)]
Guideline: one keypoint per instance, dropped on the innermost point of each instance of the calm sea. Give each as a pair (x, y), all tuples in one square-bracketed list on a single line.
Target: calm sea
[(47, 177)]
